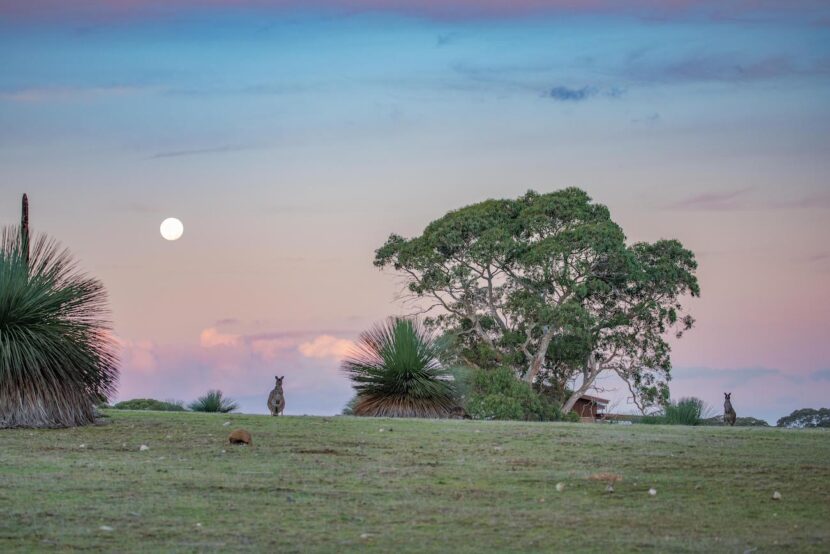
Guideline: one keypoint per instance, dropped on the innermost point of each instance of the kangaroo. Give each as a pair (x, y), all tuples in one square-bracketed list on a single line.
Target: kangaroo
[(729, 414), (276, 400)]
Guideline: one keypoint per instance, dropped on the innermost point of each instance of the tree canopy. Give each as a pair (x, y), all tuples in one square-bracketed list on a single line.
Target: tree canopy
[(805, 418), (546, 285)]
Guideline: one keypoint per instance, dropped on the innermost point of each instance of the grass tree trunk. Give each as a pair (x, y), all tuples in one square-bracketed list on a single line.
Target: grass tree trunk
[(24, 229)]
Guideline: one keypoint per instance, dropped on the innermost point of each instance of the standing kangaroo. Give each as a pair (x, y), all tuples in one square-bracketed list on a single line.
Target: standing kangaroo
[(729, 414), (276, 400)]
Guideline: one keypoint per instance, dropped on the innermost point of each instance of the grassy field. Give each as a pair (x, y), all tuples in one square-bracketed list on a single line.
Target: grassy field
[(312, 484)]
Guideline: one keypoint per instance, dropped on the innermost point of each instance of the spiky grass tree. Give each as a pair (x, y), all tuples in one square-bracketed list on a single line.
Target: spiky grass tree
[(57, 357), (396, 372), (213, 401)]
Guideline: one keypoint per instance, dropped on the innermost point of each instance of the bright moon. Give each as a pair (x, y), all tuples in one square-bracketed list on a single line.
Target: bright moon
[(172, 228)]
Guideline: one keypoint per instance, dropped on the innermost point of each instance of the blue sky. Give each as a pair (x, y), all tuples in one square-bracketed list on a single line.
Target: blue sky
[(292, 140)]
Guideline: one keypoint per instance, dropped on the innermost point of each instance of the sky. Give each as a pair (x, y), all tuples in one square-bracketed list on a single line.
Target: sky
[(292, 138)]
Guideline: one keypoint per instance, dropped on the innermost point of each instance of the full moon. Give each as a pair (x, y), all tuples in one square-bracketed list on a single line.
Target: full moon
[(171, 228)]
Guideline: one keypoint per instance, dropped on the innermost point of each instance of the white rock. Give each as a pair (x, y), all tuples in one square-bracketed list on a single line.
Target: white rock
[(776, 495), (82, 446), (365, 535), (226, 423), (609, 488), (143, 447), (198, 525), (106, 528), (560, 487), (652, 491)]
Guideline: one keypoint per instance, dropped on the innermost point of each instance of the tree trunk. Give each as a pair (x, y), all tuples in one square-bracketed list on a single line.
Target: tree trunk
[(587, 382), (539, 358)]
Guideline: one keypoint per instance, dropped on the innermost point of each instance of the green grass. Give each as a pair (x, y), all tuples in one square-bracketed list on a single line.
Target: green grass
[(312, 484)]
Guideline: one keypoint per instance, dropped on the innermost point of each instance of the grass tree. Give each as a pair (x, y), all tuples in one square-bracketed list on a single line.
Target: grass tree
[(57, 357), (396, 372), (213, 401)]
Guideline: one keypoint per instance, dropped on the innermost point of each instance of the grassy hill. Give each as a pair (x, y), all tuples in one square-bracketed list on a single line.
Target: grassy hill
[(312, 484)]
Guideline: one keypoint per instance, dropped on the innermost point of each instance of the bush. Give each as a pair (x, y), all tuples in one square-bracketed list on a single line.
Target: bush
[(348, 409), (805, 418), (150, 404), (213, 401), (498, 394), (686, 411)]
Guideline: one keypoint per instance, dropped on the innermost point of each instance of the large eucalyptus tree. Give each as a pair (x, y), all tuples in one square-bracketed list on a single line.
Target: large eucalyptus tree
[(546, 284)]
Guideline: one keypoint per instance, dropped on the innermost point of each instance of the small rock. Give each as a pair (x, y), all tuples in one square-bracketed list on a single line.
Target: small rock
[(381, 430), (366, 535), (82, 446), (198, 524), (541, 501), (560, 487), (134, 514), (226, 424), (106, 528), (609, 488), (143, 447), (652, 491), (168, 437), (776, 495), (223, 451)]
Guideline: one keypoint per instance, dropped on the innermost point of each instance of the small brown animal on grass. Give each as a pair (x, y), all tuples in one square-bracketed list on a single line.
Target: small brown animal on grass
[(240, 436)]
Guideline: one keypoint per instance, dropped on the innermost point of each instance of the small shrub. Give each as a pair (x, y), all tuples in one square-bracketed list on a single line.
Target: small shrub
[(686, 411), (150, 404), (213, 401), (498, 394), (348, 409)]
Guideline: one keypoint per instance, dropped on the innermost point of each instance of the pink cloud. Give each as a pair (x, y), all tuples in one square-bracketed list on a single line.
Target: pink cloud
[(326, 346), (271, 349), (139, 355), (211, 338)]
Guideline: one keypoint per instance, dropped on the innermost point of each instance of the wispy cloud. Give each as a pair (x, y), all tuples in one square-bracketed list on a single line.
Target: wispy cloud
[(565, 94), (713, 201), (197, 152), (69, 93), (821, 375)]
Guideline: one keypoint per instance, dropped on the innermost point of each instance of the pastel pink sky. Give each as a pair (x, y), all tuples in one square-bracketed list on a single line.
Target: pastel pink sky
[(292, 138)]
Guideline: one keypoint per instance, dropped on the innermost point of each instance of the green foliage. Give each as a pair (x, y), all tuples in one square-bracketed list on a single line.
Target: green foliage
[(546, 285), (686, 411), (57, 357), (498, 394), (348, 409), (150, 404), (213, 401), (806, 418), (739, 422), (396, 372)]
